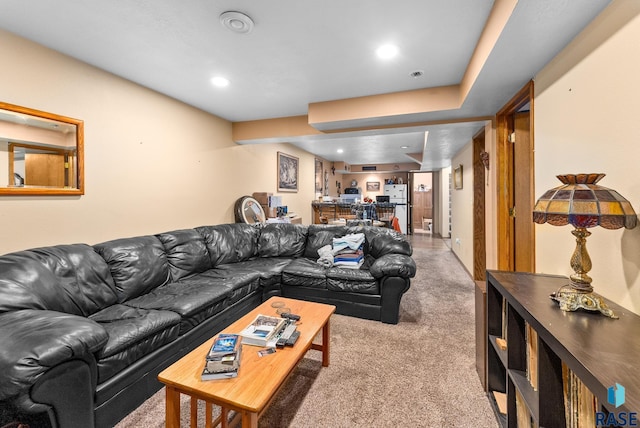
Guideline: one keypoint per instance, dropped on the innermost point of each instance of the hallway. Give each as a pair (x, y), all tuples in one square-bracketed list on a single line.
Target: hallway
[(428, 241)]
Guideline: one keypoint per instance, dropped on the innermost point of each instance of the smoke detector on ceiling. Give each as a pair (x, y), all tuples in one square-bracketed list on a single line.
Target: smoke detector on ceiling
[(237, 22)]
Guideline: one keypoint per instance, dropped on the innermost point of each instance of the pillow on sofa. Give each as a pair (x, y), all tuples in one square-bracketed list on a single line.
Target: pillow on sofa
[(282, 240)]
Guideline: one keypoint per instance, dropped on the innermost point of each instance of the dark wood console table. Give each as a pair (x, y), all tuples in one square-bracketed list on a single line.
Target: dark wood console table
[(600, 351)]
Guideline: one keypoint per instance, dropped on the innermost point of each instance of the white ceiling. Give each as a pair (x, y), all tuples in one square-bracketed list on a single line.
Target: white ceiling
[(303, 51)]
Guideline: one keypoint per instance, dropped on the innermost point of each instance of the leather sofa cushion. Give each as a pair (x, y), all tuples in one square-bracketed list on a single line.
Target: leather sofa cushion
[(282, 240), (240, 282), (269, 269), (138, 265), (305, 272), (230, 243), (133, 333), (319, 236), (352, 280), (186, 253), (194, 300), (199, 297), (65, 278)]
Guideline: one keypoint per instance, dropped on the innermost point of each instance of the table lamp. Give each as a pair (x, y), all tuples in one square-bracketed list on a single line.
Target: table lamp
[(582, 203)]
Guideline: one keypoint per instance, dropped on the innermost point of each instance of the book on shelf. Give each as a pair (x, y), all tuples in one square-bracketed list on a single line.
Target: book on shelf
[(263, 331), (223, 359), (501, 401), (503, 335), (531, 337), (523, 416), (579, 402)]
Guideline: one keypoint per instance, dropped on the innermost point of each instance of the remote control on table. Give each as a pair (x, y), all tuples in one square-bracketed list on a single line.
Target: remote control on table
[(288, 331), (292, 340), (286, 334), (290, 316)]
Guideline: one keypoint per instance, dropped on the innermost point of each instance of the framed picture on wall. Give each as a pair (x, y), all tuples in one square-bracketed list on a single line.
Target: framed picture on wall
[(288, 170), (373, 186), (318, 175), (457, 177)]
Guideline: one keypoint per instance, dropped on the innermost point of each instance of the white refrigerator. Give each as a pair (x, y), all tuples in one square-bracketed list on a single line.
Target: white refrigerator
[(398, 194)]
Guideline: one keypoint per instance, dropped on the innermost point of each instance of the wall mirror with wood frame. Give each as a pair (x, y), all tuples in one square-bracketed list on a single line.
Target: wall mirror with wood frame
[(40, 153)]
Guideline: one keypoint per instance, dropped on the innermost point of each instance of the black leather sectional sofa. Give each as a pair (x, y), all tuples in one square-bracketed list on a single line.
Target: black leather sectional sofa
[(84, 330)]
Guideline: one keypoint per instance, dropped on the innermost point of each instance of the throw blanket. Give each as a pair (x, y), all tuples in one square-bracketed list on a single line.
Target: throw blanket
[(326, 256), (346, 252), (352, 241)]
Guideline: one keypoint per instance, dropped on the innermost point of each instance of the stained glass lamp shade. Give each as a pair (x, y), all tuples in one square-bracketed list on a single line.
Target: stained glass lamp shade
[(582, 203)]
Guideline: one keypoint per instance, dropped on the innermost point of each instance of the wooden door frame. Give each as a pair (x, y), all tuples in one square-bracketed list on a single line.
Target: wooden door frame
[(504, 186), (479, 225)]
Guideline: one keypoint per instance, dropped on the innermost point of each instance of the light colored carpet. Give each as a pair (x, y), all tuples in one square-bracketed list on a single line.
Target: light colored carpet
[(418, 373)]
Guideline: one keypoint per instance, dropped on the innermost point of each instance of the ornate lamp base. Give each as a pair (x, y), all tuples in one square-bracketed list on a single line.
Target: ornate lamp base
[(571, 299)]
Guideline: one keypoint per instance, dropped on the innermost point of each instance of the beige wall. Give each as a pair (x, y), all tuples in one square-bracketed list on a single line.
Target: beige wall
[(462, 208), (587, 105), (152, 163)]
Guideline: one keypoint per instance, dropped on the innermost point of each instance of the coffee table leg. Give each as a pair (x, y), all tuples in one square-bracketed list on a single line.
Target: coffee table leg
[(249, 420), (325, 344), (194, 412), (173, 408)]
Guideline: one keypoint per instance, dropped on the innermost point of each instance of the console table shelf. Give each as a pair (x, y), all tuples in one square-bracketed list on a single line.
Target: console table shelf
[(600, 351)]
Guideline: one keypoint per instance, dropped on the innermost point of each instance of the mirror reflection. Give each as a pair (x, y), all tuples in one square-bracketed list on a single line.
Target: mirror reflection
[(40, 153)]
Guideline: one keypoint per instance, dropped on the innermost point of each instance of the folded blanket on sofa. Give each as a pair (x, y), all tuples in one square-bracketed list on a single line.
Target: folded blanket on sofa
[(352, 241)]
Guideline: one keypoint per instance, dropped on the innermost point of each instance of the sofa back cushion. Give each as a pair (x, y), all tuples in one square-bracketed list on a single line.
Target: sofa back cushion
[(186, 253), (282, 240), (230, 243), (137, 265), (66, 278), (319, 236)]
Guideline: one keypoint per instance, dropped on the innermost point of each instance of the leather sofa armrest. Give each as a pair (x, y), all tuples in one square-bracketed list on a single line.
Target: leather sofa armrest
[(393, 265), (34, 341)]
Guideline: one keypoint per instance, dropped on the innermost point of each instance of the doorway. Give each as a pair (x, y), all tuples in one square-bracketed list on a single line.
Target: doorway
[(422, 205), (514, 146)]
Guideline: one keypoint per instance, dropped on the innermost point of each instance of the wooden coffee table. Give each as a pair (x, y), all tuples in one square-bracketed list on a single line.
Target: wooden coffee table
[(259, 378)]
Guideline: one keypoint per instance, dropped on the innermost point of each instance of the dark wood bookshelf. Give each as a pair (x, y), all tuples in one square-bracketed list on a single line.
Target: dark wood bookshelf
[(601, 351)]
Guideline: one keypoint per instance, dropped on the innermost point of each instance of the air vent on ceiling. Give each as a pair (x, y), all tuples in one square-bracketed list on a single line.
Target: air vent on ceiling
[(237, 22), (369, 168)]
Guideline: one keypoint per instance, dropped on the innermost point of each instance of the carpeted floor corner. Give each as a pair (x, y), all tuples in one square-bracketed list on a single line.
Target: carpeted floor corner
[(418, 373)]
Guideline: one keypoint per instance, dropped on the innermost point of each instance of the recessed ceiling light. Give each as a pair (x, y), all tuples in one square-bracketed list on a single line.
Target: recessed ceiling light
[(340, 150), (219, 81), (387, 51), (404, 147)]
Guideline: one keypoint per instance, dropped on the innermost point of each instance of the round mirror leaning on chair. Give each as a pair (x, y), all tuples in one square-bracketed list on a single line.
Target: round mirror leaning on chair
[(248, 210)]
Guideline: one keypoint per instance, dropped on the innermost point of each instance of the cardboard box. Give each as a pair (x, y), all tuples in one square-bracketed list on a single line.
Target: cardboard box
[(262, 197)]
